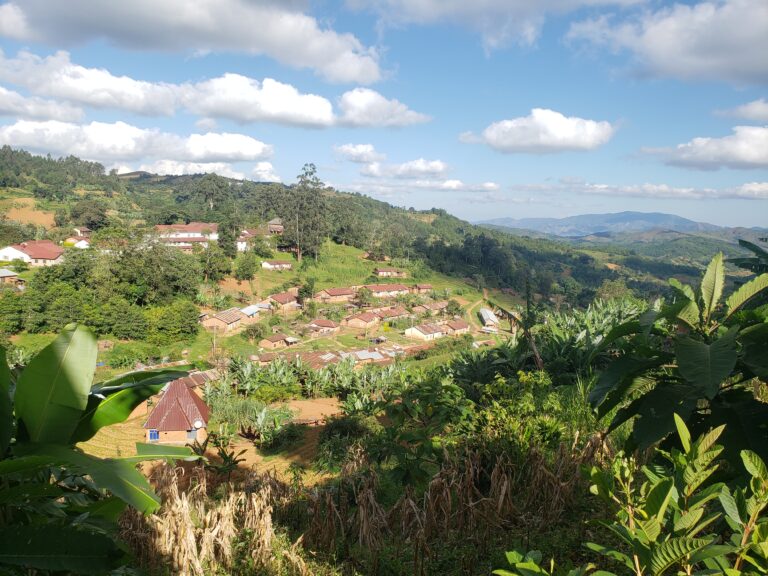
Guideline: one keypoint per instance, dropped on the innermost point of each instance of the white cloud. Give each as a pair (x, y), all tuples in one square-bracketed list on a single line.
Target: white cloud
[(756, 110), (231, 96), (498, 21), (272, 28), (175, 168), (365, 107), (747, 147), (418, 168), (56, 76), (359, 153), (121, 142), (747, 191), (14, 104), (389, 187), (244, 99), (542, 132), (722, 40), (265, 172)]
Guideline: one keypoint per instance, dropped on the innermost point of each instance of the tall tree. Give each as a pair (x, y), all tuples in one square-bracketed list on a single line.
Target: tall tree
[(306, 214)]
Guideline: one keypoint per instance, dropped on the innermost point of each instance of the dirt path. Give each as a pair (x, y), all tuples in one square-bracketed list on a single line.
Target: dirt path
[(472, 313)]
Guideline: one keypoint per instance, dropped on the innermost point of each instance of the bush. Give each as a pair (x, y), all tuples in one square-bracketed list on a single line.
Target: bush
[(338, 435)]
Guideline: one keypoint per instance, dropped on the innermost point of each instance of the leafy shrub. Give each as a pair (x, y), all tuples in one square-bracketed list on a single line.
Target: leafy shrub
[(338, 435)]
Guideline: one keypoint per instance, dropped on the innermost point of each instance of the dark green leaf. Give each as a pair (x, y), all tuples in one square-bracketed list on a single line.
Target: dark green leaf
[(707, 365), (754, 465), (58, 548), (617, 378), (118, 476), (6, 410), (712, 285), (52, 391), (745, 293)]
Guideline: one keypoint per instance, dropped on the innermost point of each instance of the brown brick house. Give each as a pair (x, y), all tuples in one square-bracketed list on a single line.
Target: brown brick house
[(179, 417)]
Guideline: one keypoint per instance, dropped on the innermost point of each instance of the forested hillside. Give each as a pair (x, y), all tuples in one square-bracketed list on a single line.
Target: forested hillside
[(79, 192)]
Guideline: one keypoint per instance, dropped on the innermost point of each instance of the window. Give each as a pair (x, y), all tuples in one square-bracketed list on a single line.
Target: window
[(191, 434), (154, 435)]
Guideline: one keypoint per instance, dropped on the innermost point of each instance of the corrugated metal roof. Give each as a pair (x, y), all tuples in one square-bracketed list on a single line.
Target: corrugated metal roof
[(229, 316), (251, 310), (178, 409)]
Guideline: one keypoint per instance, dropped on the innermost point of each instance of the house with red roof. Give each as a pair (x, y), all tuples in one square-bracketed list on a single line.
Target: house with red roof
[(323, 326), (179, 417), (33, 252), (363, 320), (336, 295)]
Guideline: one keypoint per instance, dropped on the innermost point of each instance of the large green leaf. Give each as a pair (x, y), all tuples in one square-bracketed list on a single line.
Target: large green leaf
[(754, 344), (52, 391), (656, 410), (58, 548), (6, 411), (161, 452), (712, 285), (686, 308), (746, 292), (671, 552), (616, 380), (117, 406), (132, 378), (707, 365), (118, 476)]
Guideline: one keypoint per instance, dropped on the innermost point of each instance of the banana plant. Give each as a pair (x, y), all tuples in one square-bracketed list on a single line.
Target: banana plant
[(691, 357), (44, 412)]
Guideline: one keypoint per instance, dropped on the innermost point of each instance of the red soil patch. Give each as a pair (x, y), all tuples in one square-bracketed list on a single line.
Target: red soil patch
[(25, 210)]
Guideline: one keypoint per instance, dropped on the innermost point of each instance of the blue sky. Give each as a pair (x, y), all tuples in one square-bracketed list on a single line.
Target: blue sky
[(489, 108)]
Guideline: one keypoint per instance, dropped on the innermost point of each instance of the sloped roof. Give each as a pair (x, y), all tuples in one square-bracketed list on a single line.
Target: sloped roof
[(283, 298), (394, 312), (338, 291), (323, 323), (276, 338), (40, 249), (229, 316), (366, 317), (387, 288), (457, 325), (251, 309), (178, 409), (429, 329), (5, 273)]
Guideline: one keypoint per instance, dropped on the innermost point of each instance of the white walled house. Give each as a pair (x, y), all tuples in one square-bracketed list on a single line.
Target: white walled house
[(33, 252)]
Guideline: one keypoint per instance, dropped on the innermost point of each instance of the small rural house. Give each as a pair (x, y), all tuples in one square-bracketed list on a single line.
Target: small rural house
[(390, 273), (82, 231), (336, 295), (363, 320), (179, 417), (251, 312), (278, 265), (278, 341), (8, 276), (422, 288), (425, 332), (457, 327), (33, 252), (323, 326), (387, 290), (488, 318), (81, 242), (284, 301), (245, 238), (224, 321), (275, 226), (391, 313)]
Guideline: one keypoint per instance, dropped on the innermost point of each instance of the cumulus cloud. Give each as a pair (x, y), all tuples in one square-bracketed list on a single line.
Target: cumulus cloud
[(14, 104), (244, 99), (756, 110), (497, 21), (265, 172), (56, 76), (542, 132), (359, 153), (366, 107), (418, 168), (747, 147), (279, 30), (747, 191), (723, 40), (231, 96), (122, 142)]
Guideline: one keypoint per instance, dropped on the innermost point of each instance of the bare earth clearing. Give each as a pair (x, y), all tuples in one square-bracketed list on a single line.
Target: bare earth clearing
[(25, 210)]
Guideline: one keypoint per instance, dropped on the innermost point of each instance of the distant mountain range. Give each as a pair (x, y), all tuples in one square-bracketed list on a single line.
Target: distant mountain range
[(618, 223)]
